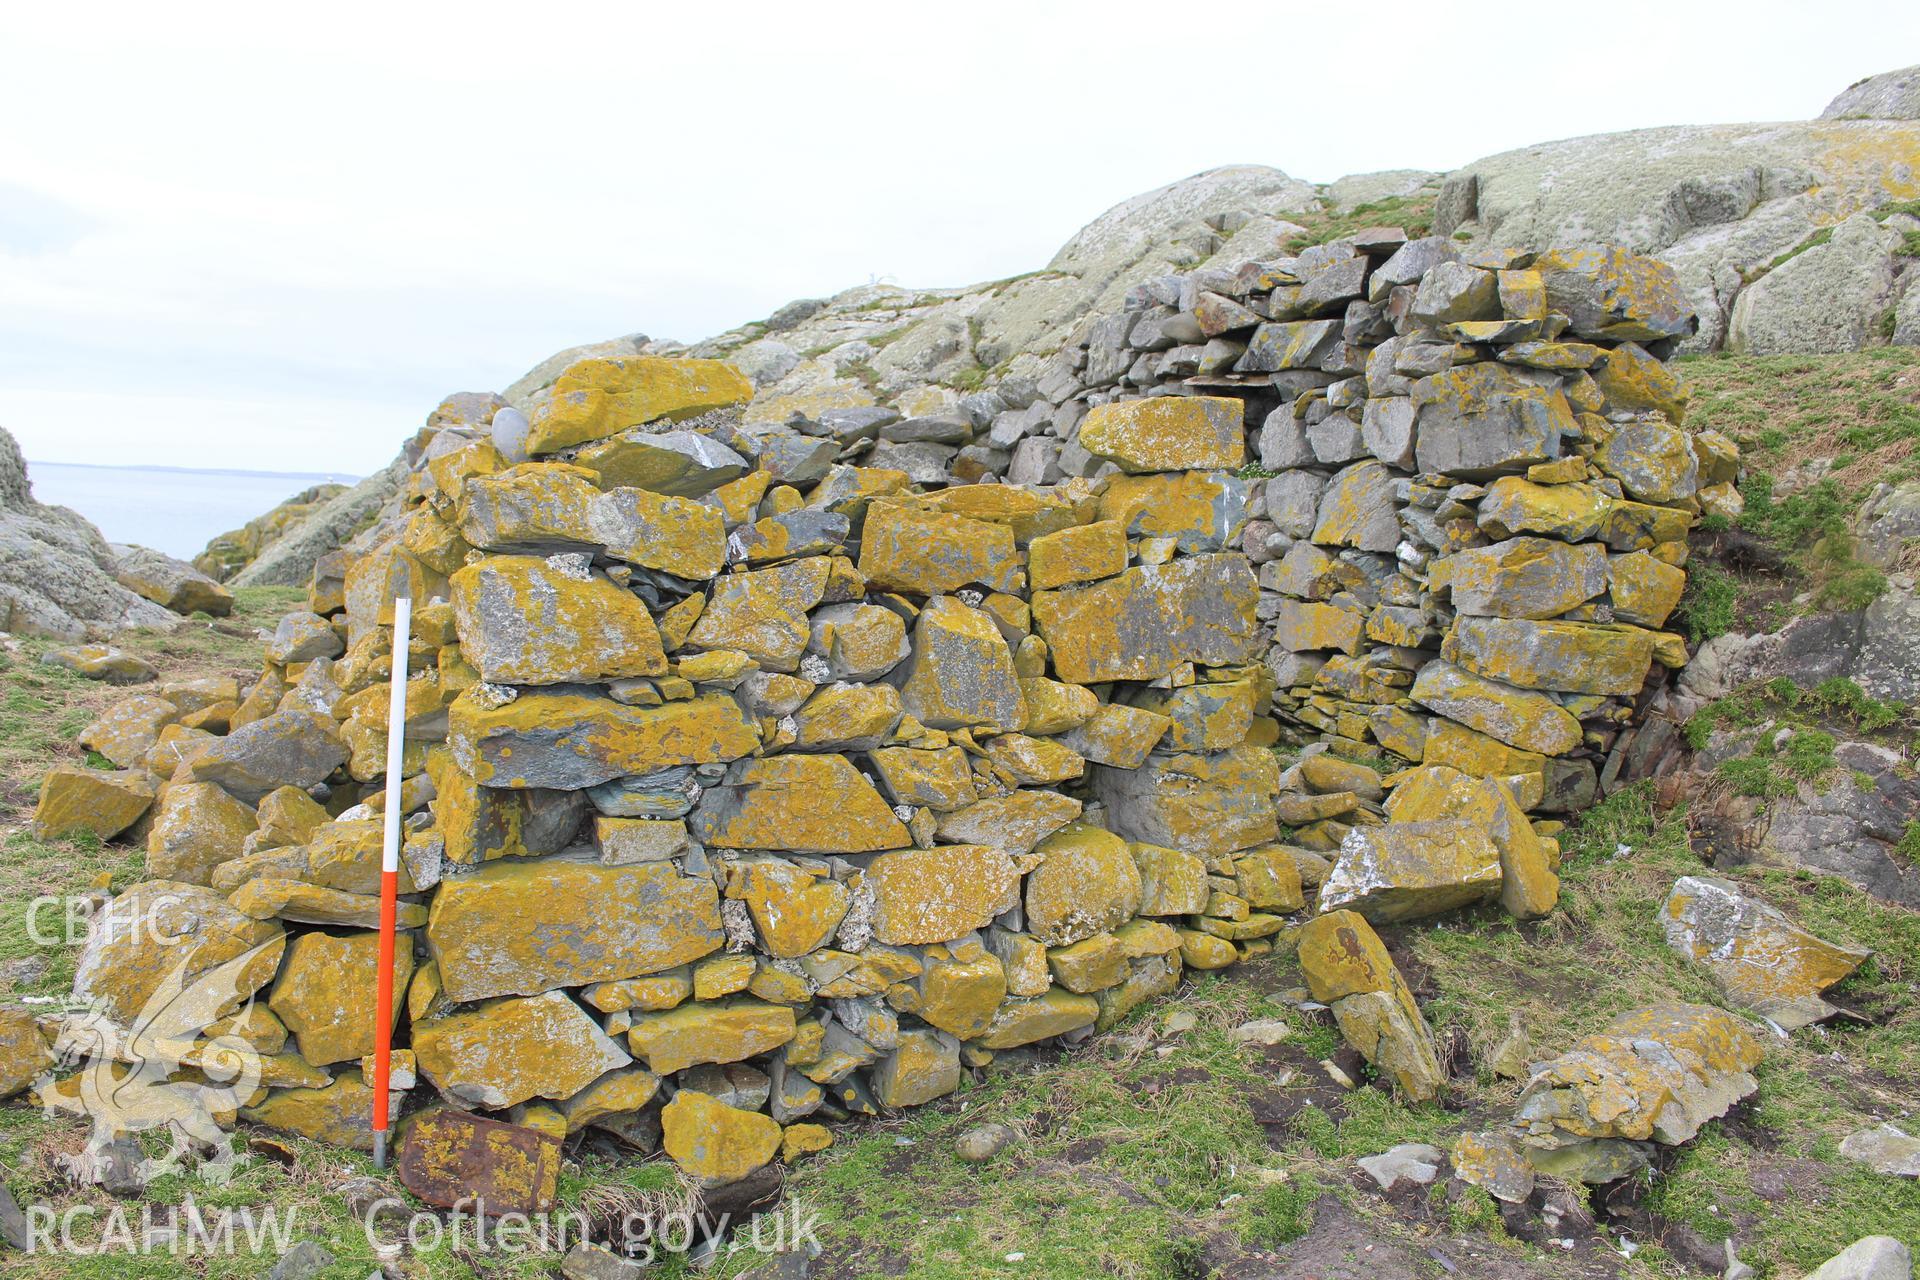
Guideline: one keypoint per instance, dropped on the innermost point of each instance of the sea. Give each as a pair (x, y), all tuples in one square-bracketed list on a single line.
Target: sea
[(172, 509)]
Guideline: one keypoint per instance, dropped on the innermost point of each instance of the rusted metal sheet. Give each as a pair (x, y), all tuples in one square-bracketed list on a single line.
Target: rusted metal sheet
[(456, 1160)]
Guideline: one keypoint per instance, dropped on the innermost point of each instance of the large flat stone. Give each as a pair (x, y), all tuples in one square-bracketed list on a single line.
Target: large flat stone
[(1148, 620), (515, 927)]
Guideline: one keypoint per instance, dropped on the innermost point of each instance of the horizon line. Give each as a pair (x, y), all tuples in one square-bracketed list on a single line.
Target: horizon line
[(337, 477)]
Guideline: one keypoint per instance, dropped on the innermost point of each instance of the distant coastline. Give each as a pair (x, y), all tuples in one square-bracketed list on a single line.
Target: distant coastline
[(312, 477), (177, 510)]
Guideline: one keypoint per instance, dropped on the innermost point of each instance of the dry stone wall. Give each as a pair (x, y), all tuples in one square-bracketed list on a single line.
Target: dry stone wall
[(1473, 487), (765, 773)]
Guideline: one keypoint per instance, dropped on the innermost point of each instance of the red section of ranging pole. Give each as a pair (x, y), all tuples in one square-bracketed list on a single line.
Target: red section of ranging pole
[(390, 877)]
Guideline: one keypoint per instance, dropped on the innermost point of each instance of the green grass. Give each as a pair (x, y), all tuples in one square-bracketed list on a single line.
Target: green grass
[(1814, 1088), (1811, 715), (1857, 416), (1787, 410), (1708, 602), (1414, 213)]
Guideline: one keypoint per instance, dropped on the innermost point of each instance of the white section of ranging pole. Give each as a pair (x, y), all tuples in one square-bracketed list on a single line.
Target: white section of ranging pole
[(389, 872), (396, 730)]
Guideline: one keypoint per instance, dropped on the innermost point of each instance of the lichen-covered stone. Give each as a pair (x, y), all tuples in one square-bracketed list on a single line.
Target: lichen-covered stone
[(1021, 1022), (714, 1143), (683, 464), (961, 673), (1578, 513), (859, 641), (325, 992), (910, 547), (535, 509), (75, 799), (597, 397), (1528, 886), (1118, 735), (1394, 1039), (197, 827), (1654, 1073), (1031, 761), (569, 741), (847, 717), (1269, 879), (1760, 957), (763, 613), (1142, 623), (1084, 553), (802, 803), (502, 1052), (679, 536), (1172, 883), (127, 730), (1205, 802), (1521, 577), (101, 662), (937, 779), (1482, 420), (939, 894), (1573, 657), (1643, 588), (1199, 510), (1652, 458), (959, 993), (268, 897), (288, 748), (339, 1114), (794, 910), (1013, 822), (1520, 718), (1407, 869), (1087, 883), (925, 1065), (1634, 382), (1610, 292), (523, 927), (1167, 433), (618, 1093), (521, 621), (1054, 707), (1301, 625), (709, 1031), (24, 1056), (302, 637), (1494, 1163), (1089, 965), (1357, 510)]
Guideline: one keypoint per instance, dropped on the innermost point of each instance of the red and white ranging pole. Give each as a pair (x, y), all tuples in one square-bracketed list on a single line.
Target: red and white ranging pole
[(390, 877)]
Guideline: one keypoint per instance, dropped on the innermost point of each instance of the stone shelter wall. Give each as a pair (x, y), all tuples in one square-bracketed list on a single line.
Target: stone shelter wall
[(752, 782)]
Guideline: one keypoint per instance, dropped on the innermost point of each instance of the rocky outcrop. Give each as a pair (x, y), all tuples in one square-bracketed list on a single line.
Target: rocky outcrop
[(166, 581), (287, 558), (1727, 206), (1892, 95), (920, 350), (57, 574), (1722, 204), (1826, 298), (231, 552)]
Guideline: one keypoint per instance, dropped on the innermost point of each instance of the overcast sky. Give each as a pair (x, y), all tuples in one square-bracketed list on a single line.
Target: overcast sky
[(272, 237)]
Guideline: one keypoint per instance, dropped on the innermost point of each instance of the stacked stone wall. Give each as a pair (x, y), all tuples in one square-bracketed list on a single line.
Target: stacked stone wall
[(1473, 489), (751, 783)]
